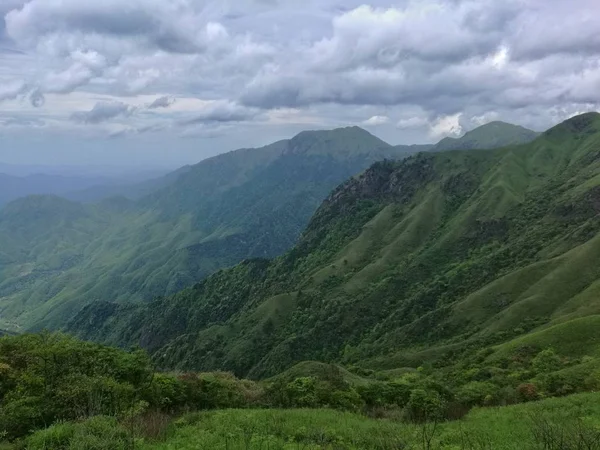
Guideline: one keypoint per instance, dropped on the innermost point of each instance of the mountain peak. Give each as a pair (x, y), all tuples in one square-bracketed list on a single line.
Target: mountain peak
[(490, 135), (348, 141), (350, 131), (582, 123)]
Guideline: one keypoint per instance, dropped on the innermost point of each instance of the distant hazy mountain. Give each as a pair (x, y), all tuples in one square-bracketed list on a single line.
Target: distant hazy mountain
[(81, 186), (128, 189), (13, 187), (133, 174)]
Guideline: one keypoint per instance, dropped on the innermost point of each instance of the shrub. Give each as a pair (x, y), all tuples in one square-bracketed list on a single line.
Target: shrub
[(302, 392), (527, 392), (97, 433), (425, 405), (216, 390), (546, 361), (165, 392), (477, 393)]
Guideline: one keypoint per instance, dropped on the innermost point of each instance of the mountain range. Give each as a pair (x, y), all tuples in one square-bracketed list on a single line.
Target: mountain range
[(414, 261), (59, 255), (17, 183)]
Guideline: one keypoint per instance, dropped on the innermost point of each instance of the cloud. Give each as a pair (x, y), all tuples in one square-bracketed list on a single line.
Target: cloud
[(482, 119), (84, 66), (21, 122), (376, 120), (219, 111), (283, 65), (37, 99), (446, 126), (167, 26), (162, 102), (412, 122), (203, 131), (12, 90), (102, 112)]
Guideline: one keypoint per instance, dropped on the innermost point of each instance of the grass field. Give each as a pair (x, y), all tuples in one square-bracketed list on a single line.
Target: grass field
[(502, 428)]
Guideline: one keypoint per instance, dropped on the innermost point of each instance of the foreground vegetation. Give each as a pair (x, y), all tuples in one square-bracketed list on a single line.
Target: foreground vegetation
[(60, 393), (557, 424), (569, 423)]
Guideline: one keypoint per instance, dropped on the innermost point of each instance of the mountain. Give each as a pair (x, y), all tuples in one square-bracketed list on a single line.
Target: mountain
[(412, 262), (13, 187), (131, 190), (491, 135), (414, 148), (58, 255)]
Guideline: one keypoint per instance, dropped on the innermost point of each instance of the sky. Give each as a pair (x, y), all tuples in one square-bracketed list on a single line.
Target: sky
[(170, 82)]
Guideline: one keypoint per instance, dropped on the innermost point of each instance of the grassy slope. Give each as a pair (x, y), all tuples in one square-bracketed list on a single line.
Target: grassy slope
[(319, 370), (503, 428), (408, 263)]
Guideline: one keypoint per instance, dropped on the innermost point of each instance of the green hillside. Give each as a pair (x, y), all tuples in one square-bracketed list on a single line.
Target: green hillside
[(491, 135), (132, 191), (58, 255), (419, 261), (60, 393)]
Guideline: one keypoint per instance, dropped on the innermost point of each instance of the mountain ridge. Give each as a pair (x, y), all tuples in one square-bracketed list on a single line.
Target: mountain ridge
[(384, 269), (213, 215), (243, 204), (490, 135)]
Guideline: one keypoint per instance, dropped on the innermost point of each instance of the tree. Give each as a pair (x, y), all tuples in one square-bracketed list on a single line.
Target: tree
[(546, 361)]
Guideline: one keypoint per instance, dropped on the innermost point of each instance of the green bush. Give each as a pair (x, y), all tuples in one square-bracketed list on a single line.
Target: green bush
[(546, 361), (46, 378), (477, 393), (97, 433), (425, 405), (165, 392)]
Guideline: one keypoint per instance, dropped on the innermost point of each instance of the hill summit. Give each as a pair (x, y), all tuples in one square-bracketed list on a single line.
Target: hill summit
[(491, 135)]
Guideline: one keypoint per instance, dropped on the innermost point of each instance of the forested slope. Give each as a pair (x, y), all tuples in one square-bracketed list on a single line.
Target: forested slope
[(58, 255), (412, 261)]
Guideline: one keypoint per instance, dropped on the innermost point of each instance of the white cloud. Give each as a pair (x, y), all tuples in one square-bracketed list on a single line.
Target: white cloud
[(482, 119), (376, 120), (412, 122), (12, 90), (220, 111), (446, 126)]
